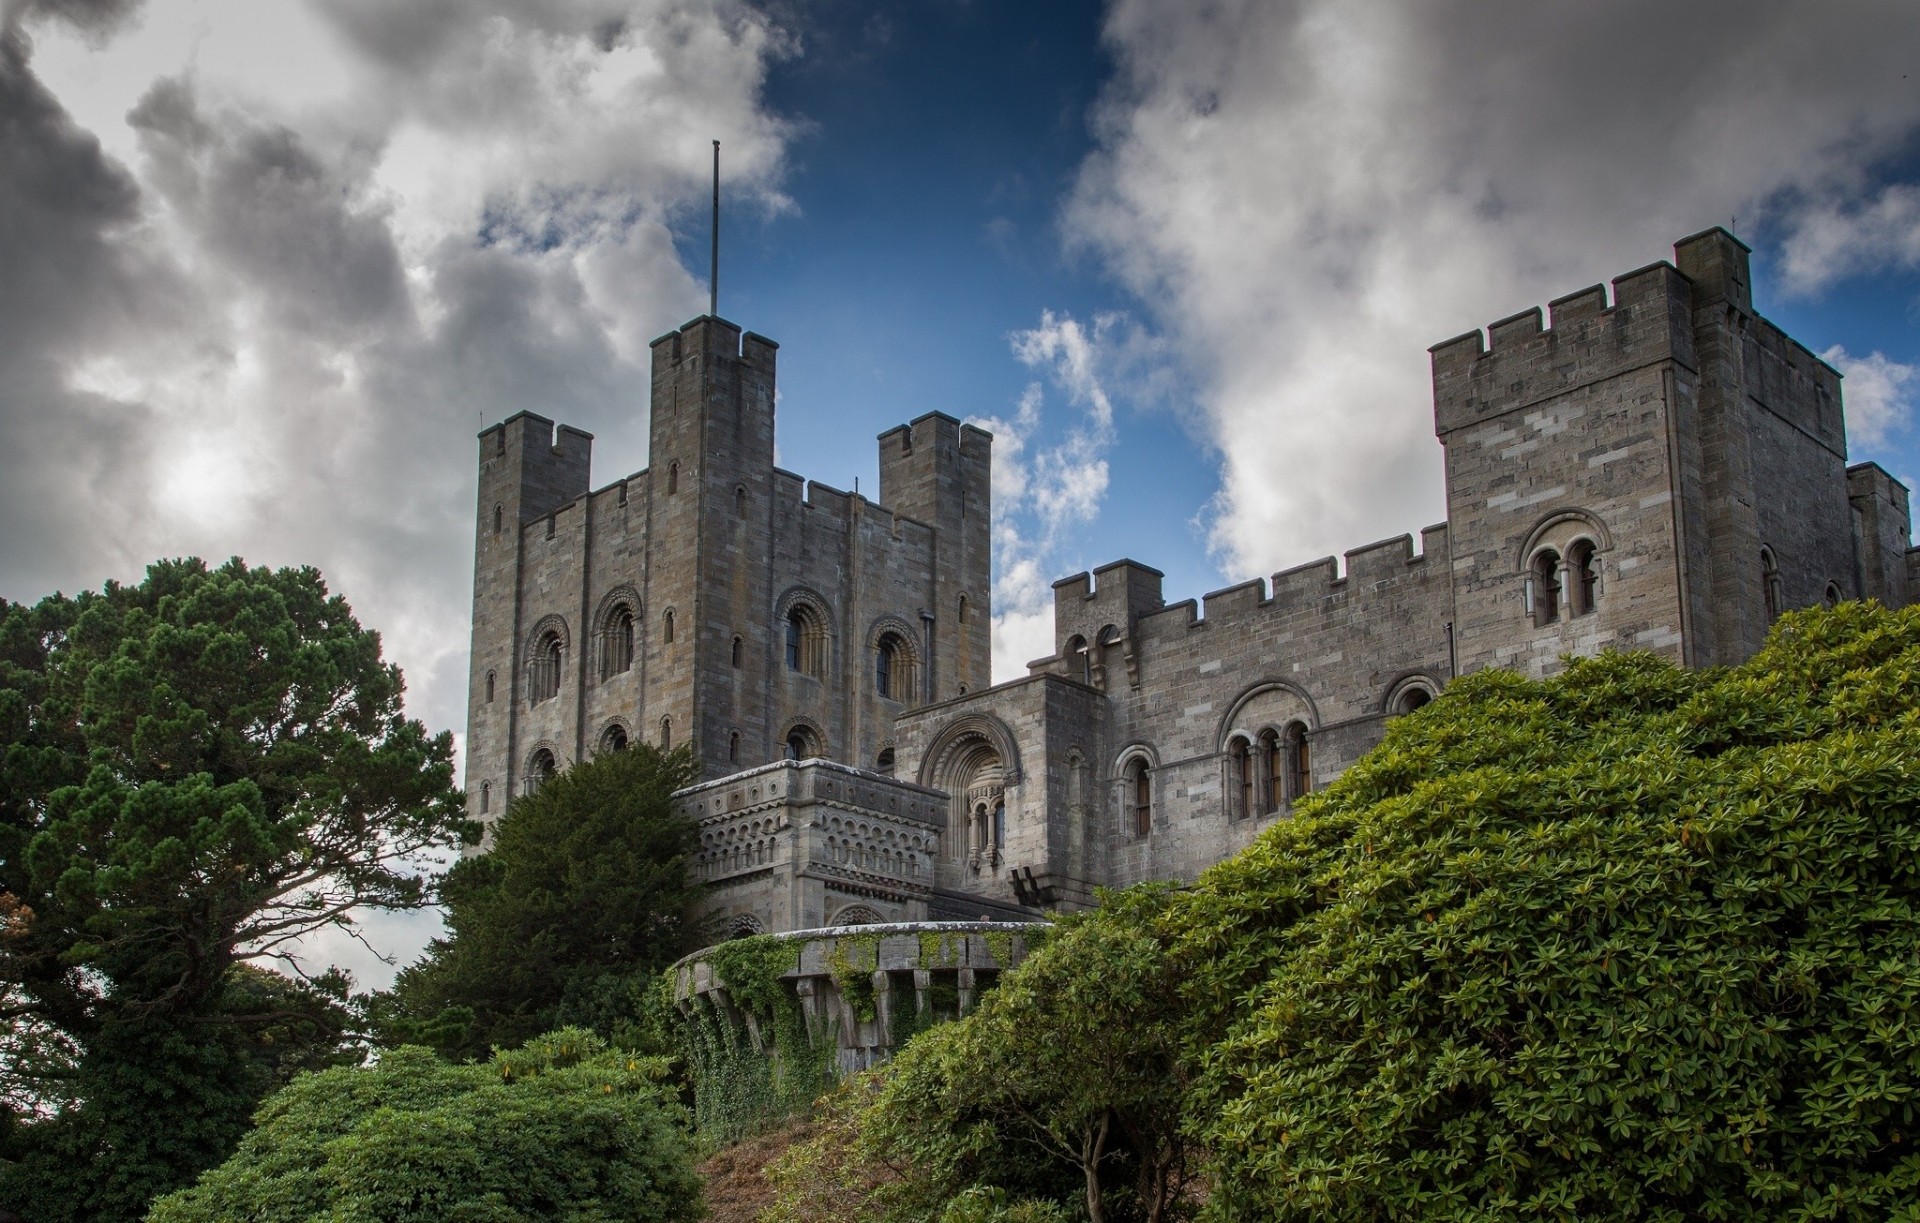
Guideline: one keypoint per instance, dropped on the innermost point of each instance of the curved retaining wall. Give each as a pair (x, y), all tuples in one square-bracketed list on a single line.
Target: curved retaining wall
[(916, 965)]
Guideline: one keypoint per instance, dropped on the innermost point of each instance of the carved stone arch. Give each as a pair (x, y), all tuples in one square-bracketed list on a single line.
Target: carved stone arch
[(857, 915), (1560, 528), (902, 666), (744, 925), (1231, 722), (604, 741), (543, 762), (953, 739), (1135, 748), (803, 623), (802, 594), (811, 731), (554, 623), (1404, 683), (884, 757), (616, 657)]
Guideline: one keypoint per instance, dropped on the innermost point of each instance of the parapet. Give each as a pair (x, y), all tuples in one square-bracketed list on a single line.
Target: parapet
[(550, 464), (1717, 264), (1111, 597), (716, 337), (1526, 358)]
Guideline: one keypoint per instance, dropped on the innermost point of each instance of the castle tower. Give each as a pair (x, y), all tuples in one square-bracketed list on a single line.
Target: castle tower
[(940, 472)]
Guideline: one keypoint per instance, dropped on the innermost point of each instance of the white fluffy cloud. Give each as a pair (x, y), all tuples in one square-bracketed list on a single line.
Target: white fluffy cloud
[(1048, 476), (273, 264), (1877, 395), (1308, 193)]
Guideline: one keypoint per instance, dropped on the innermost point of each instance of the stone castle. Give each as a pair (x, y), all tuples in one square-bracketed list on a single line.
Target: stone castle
[(1650, 467)]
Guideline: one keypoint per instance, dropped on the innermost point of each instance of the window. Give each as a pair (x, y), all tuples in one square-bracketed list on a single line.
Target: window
[(1584, 574), (541, 767), (893, 668), (1139, 795), (740, 501), (613, 738), (666, 631), (1273, 773), (999, 827), (738, 646), (1079, 661), (1240, 777), (806, 639), (1299, 765), (543, 672), (1105, 655), (489, 687), (1832, 596), (1414, 697), (797, 746), (499, 519), (666, 734), (616, 642), (884, 762), (673, 478), (486, 796), (623, 494), (1543, 588), (962, 617), (550, 524), (1770, 590), (733, 748)]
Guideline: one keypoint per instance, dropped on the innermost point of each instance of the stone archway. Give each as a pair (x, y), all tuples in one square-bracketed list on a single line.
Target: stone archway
[(973, 761)]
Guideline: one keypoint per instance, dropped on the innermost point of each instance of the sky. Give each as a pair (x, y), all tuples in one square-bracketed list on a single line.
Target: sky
[(268, 266)]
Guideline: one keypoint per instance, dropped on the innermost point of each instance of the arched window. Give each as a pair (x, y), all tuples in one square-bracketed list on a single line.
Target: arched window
[(884, 762), (961, 617), (551, 519), (1240, 778), (541, 768), (613, 738), (486, 796), (673, 478), (489, 687), (806, 639), (1770, 589), (893, 668), (740, 500), (1583, 575), (1413, 697), (666, 734), (543, 671), (1832, 596), (733, 748), (999, 827), (666, 631), (1105, 655), (499, 519), (616, 642), (1299, 764), (1543, 588), (1273, 772), (1139, 795), (738, 647), (1079, 660), (801, 744)]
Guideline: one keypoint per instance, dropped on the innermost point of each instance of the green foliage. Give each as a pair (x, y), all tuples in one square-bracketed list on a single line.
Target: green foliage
[(561, 1129), (764, 1067), (194, 772), (581, 900), (1634, 942)]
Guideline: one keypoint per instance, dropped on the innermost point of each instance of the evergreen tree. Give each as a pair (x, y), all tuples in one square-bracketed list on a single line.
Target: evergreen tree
[(195, 772), (582, 897)]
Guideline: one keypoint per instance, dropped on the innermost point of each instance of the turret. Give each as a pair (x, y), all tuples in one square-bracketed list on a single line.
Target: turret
[(939, 472)]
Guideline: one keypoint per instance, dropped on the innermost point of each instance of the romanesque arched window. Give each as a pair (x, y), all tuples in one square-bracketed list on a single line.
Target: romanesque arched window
[(1543, 587), (1079, 660), (666, 629), (486, 796), (1299, 763), (616, 642), (1832, 596), (1138, 791), (999, 829), (740, 500), (666, 734), (733, 748), (1273, 764), (613, 738), (489, 687), (883, 763), (806, 638), (1240, 778), (739, 648), (1413, 697), (673, 478), (893, 668), (1770, 588), (543, 671), (1583, 577), (499, 519), (1105, 656), (541, 767)]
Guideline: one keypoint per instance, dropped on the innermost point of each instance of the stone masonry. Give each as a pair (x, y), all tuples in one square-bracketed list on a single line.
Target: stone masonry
[(1648, 465)]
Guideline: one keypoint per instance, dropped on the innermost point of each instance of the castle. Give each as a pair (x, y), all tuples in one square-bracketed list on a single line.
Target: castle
[(1653, 467)]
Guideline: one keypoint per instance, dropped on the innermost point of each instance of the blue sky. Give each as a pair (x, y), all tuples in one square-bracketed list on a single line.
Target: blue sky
[(271, 264)]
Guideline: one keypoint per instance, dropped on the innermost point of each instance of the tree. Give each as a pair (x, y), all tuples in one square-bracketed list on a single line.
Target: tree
[(559, 1130), (581, 899), (1630, 943), (197, 772)]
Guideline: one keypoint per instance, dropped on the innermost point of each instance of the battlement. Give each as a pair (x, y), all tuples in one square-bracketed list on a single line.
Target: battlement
[(714, 337), (1104, 603), (530, 467)]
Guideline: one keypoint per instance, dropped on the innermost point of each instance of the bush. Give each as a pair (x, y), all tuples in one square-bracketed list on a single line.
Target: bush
[(561, 1129), (1634, 942)]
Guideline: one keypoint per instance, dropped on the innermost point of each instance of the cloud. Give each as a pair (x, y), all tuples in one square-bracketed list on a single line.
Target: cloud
[(1305, 194), (241, 320), (1047, 478), (1877, 395), (1837, 238)]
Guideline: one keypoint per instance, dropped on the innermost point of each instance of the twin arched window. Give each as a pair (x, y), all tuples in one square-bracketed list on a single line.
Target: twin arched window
[(806, 639), (893, 668), (616, 642), (1555, 584)]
